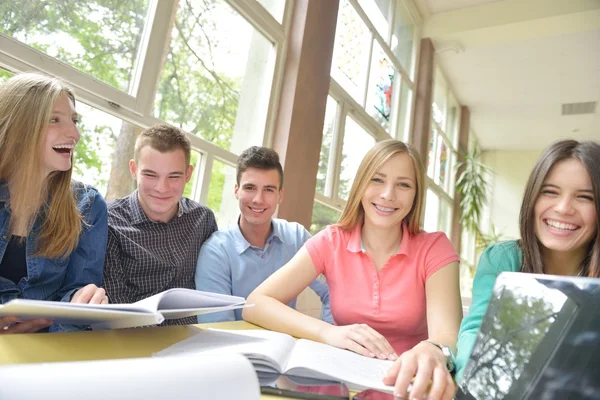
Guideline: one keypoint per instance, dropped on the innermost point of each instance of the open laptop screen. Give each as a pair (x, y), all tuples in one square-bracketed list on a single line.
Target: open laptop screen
[(539, 339)]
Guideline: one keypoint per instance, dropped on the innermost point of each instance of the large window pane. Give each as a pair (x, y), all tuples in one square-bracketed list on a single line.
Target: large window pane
[(357, 142), (275, 7), (4, 75), (441, 162), (404, 117), (378, 12), (322, 216), (432, 212), (351, 52), (453, 121), (403, 36), (217, 77), (439, 99), (326, 150), (381, 86), (220, 193), (96, 148), (99, 37)]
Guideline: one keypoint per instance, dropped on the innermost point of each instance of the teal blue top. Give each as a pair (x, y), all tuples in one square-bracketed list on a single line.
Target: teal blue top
[(500, 257)]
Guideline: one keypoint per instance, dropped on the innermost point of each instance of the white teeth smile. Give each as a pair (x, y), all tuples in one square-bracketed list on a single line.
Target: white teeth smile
[(561, 226), (384, 209), (258, 210), (64, 146)]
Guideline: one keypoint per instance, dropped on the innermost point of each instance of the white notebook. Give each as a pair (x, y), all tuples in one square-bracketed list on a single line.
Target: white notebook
[(181, 378), (170, 304), (277, 353)]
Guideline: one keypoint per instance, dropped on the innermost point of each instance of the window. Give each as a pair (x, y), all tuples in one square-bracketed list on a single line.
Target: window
[(441, 158), (97, 37), (357, 142), (207, 66), (216, 81), (370, 94), (322, 216)]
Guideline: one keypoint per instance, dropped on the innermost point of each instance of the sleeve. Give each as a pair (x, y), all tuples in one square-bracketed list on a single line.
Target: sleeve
[(441, 253), (322, 290), (114, 281), (213, 274), (86, 262), (320, 249), (483, 285)]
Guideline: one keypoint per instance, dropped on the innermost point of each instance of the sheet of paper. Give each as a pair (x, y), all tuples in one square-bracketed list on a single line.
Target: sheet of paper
[(228, 376), (316, 360), (263, 347)]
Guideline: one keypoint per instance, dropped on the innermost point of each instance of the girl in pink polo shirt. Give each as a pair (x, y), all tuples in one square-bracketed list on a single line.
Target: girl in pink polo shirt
[(394, 289)]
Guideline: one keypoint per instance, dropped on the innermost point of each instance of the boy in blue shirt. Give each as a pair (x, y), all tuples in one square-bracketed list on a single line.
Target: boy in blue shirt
[(237, 259)]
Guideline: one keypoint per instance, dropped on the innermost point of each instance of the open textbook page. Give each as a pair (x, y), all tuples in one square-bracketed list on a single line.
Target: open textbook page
[(170, 304), (273, 352), (183, 378)]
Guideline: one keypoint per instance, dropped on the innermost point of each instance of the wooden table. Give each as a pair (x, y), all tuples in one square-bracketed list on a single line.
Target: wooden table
[(100, 345)]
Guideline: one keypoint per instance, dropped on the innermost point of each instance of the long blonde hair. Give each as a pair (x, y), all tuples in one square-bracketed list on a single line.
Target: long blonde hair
[(354, 212), (26, 103)]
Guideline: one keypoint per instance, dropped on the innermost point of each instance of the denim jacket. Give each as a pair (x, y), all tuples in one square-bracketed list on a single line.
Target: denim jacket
[(58, 279)]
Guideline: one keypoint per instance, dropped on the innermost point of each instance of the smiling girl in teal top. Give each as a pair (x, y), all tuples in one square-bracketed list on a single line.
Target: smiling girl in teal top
[(559, 223)]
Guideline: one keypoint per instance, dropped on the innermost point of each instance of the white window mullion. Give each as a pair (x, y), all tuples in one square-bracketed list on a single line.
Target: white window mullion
[(203, 183), (332, 180), (153, 46)]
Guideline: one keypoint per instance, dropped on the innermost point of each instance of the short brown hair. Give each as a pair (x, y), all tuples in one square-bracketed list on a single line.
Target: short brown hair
[(260, 158), (163, 138), (588, 153)]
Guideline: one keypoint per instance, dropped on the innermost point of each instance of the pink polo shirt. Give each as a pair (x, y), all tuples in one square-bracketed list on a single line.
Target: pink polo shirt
[(392, 301)]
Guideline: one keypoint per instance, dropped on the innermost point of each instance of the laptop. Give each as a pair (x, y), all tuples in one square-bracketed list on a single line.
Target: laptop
[(539, 339)]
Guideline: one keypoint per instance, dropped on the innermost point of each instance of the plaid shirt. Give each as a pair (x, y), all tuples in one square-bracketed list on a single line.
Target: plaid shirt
[(144, 257)]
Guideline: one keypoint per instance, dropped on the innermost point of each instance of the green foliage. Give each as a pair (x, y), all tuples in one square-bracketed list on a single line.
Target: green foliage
[(322, 216), (217, 183), (191, 93), (473, 188)]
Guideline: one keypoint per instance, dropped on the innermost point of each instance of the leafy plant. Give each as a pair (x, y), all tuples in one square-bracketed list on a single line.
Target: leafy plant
[(473, 188)]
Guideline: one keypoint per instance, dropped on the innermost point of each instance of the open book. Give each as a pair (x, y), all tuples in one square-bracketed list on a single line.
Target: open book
[(273, 353), (170, 304)]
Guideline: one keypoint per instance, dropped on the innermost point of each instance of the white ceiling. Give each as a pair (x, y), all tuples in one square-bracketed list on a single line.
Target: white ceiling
[(437, 6), (515, 64)]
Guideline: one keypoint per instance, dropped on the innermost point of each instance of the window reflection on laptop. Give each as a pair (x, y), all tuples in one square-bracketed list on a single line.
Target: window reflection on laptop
[(539, 339)]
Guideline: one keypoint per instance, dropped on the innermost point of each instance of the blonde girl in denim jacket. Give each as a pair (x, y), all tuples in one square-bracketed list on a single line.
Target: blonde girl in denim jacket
[(53, 231)]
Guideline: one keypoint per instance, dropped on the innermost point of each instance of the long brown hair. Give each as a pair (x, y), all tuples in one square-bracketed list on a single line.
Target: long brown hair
[(26, 103), (382, 151), (588, 153)]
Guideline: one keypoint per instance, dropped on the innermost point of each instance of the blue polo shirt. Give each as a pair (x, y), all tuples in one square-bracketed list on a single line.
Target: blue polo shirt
[(229, 264)]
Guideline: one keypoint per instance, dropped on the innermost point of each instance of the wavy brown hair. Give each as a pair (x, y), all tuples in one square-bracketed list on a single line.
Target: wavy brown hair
[(588, 153), (26, 103), (374, 159)]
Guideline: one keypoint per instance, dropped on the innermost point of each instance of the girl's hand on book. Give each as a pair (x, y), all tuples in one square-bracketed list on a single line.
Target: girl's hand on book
[(359, 338), (421, 372), (90, 294), (10, 325)]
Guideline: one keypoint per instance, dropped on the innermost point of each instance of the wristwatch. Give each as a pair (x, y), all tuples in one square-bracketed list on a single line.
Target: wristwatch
[(447, 352)]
